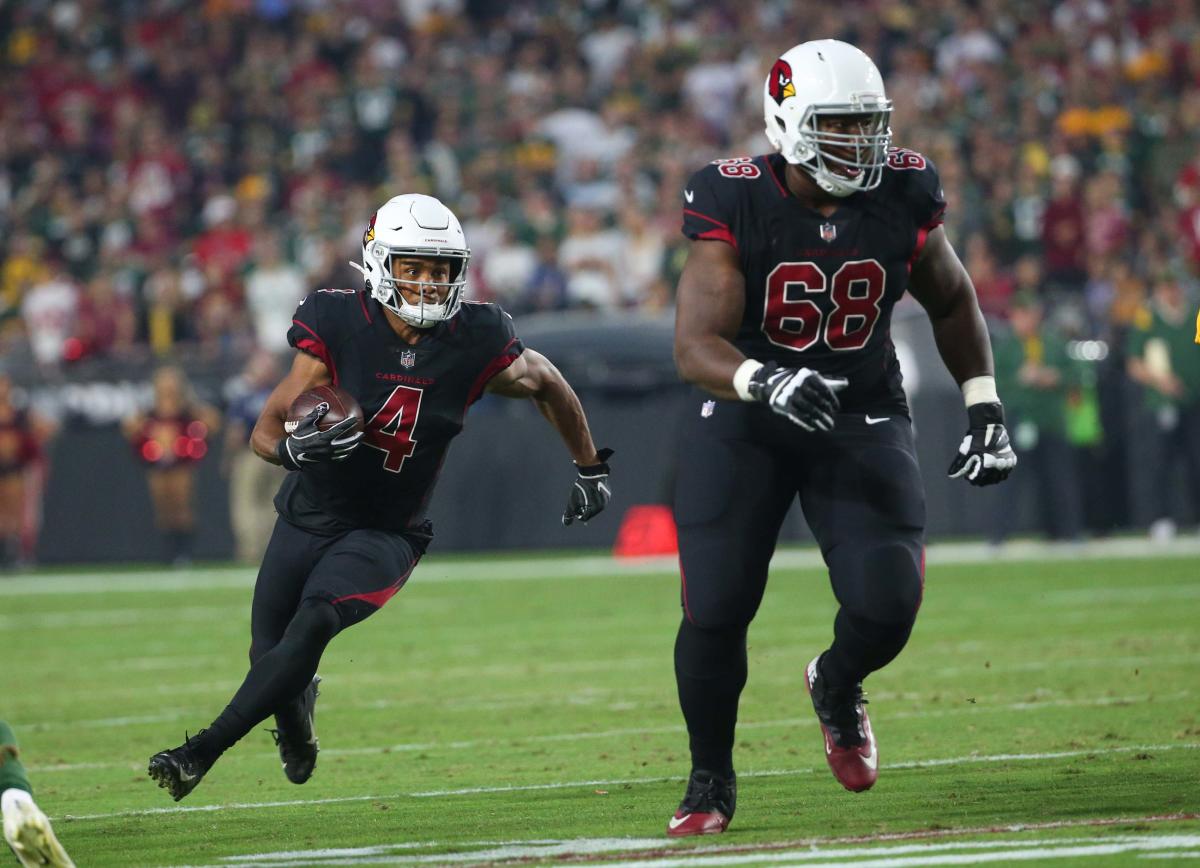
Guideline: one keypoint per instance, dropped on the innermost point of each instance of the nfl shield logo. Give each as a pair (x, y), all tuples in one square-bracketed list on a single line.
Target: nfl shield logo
[(408, 358), (708, 408), (828, 232)]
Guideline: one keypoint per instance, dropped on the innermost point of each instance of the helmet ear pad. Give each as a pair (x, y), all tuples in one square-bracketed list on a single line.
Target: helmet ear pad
[(801, 154)]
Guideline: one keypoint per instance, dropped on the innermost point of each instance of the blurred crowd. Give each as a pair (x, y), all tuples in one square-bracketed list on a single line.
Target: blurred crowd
[(174, 176)]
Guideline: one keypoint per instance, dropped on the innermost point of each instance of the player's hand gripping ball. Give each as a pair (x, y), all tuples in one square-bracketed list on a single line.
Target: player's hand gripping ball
[(323, 424)]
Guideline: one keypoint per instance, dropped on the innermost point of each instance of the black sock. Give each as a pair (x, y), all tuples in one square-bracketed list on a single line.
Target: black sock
[(274, 680), (179, 544), (289, 717), (710, 671), (861, 647)]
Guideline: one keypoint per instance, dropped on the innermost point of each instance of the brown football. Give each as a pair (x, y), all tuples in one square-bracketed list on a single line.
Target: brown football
[(340, 402)]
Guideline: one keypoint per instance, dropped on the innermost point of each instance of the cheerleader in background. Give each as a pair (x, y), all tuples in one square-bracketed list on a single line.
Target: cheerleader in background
[(170, 440), (23, 435)]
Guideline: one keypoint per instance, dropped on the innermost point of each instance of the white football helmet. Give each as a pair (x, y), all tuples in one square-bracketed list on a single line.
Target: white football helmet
[(821, 78), (414, 225)]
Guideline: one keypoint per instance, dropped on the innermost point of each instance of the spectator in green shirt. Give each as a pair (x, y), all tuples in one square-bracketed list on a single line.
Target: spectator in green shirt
[(1163, 358), (1034, 374)]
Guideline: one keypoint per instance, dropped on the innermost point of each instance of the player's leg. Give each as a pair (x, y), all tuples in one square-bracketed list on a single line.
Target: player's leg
[(355, 577), (12, 772), (26, 829), (730, 499), (865, 503), (1189, 432), (1160, 456), (245, 507), (157, 482), (12, 501), (267, 478), (253, 484), (289, 560), (277, 596), (178, 483), (352, 578), (286, 565)]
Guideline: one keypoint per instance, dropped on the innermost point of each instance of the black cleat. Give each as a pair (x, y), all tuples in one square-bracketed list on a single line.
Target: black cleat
[(707, 807), (178, 770), (297, 743)]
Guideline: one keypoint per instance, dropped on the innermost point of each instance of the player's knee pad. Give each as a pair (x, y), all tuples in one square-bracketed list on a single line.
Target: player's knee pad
[(316, 622), (716, 602), (706, 652), (881, 583), (720, 612)]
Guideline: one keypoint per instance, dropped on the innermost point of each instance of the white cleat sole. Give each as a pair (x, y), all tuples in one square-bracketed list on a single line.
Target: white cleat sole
[(27, 830)]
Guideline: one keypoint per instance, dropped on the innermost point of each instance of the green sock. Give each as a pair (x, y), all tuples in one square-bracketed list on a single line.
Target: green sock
[(12, 773)]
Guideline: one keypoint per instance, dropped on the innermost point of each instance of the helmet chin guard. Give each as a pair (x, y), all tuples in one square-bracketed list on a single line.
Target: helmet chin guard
[(827, 78), (422, 227)]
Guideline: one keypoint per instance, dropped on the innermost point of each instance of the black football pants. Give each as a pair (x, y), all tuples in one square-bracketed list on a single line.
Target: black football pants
[(740, 468), (310, 587)]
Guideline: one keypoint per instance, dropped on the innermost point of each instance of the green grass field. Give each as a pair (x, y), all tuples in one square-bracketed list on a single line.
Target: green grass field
[(501, 710)]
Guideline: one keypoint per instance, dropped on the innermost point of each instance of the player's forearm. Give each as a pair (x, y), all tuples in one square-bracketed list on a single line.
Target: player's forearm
[(962, 340), (709, 363), (557, 401), (265, 438), (1138, 370)]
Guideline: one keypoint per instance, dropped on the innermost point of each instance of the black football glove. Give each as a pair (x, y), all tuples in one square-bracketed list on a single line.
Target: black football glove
[(307, 444), (985, 456), (590, 492), (800, 394)]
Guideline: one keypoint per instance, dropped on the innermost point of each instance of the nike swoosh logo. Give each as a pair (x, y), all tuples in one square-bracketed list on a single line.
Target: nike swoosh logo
[(871, 761), (185, 777), (689, 195), (676, 822), (313, 729), (873, 421)]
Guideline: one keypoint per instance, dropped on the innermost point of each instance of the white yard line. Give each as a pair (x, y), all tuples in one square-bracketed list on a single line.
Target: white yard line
[(876, 851), (526, 850), (877, 858), (84, 618), (558, 785), (492, 568)]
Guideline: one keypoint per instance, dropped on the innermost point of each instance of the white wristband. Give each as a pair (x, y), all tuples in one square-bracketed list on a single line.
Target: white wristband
[(741, 378), (980, 390)]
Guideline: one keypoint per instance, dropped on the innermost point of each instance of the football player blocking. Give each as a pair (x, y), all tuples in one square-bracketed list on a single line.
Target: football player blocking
[(352, 523), (783, 313)]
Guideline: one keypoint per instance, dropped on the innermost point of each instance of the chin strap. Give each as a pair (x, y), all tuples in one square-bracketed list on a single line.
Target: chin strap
[(357, 267)]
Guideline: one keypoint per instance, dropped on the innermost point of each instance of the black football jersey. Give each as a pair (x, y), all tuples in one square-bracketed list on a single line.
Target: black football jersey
[(414, 400), (820, 290)]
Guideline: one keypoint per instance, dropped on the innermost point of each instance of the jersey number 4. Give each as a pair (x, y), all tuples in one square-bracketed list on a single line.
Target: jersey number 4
[(390, 429), (792, 318)]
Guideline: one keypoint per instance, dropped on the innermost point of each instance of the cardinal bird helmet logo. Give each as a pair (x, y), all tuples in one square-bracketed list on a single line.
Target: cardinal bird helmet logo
[(780, 82)]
